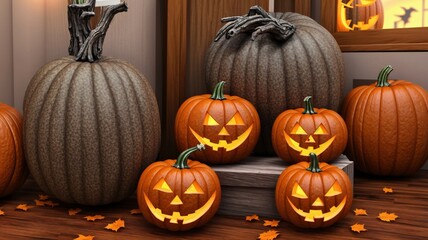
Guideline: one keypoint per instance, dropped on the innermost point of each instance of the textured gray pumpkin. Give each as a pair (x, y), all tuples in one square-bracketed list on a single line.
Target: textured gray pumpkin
[(275, 72), (90, 129)]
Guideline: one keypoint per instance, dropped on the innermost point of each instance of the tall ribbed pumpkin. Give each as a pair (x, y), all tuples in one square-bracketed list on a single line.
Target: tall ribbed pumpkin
[(13, 171), (91, 124), (387, 126), (274, 61)]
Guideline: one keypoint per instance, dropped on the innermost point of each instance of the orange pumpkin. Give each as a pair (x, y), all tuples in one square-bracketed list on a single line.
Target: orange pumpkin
[(388, 126), (228, 126), (13, 170), (179, 194), (298, 132), (313, 195), (359, 15)]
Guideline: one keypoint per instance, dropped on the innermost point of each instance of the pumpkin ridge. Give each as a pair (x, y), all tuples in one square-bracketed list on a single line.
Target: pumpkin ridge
[(11, 173), (364, 98)]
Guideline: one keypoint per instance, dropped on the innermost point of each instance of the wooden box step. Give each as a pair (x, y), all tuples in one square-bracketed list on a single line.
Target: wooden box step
[(248, 187)]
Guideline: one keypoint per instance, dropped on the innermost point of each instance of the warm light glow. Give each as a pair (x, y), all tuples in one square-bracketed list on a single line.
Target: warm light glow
[(395, 13), (102, 3)]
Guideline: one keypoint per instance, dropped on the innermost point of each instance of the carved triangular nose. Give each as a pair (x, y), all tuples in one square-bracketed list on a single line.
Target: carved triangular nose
[(176, 201), (318, 203), (223, 132), (310, 139)]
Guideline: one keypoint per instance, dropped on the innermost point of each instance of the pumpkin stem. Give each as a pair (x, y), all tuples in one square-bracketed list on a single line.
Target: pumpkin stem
[(314, 165), (309, 109), (86, 44), (218, 91), (257, 21), (382, 79), (181, 162)]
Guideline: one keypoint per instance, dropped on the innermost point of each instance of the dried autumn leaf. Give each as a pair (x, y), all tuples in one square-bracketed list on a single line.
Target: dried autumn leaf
[(387, 217), (93, 218), (83, 237), (269, 235), (23, 207), (387, 190), (43, 197), (2, 213), (252, 218), (39, 203), (358, 228), (51, 204), (116, 225), (135, 211), (273, 223), (73, 212), (360, 212)]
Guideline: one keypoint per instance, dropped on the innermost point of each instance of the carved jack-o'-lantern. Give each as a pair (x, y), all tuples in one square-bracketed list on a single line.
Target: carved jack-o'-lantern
[(313, 195), (359, 15), (298, 132), (228, 126), (179, 194)]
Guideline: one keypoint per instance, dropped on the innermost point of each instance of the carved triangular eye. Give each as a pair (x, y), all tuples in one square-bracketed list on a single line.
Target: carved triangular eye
[(334, 190), (297, 129), (194, 189), (210, 121), (321, 130), (298, 192), (162, 186), (236, 120)]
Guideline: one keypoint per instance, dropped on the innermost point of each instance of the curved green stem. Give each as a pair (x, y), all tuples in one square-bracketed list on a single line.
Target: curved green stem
[(382, 79), (314, 165), (309, 109), (218, 93), (181, 162)]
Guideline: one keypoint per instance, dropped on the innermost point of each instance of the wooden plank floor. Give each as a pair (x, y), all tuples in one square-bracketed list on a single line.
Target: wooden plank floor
[(409, 201)]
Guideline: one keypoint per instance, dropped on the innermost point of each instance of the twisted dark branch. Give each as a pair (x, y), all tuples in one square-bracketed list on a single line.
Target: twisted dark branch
[(257, 21)]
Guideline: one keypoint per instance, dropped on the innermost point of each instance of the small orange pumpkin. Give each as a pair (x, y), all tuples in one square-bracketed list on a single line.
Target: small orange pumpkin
[(388, 126), (313, 195), (179, 194), (228, 126), (13, 170), (298, 132)]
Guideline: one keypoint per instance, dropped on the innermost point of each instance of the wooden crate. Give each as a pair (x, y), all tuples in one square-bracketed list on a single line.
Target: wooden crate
[(249, 187)]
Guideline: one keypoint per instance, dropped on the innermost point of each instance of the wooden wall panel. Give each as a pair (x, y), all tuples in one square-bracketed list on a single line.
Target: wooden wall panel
[(298, 6)]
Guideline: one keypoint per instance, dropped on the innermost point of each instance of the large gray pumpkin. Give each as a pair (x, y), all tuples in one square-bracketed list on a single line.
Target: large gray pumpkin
[(90, 129), (276, 71)]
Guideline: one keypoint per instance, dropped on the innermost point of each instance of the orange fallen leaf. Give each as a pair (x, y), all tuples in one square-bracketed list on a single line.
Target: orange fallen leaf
[(358, 228), (273, 223), (360, 212), (116, 225), (93, 218), (252, 218), (387, 217), (2, 213), (83, 237), (135, 211), (51, 204), (23, 207), (269, 235), (39, 203), (43, 197), (387, 190), (45, 203), (72, 212)]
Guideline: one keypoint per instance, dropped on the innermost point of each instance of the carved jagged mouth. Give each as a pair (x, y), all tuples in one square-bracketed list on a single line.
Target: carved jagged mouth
[(318, 214), (176, 216), (306, 151), (360, 25), (223, 143)]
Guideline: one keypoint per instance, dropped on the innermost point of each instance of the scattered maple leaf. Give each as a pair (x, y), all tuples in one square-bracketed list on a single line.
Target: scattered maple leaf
[(23, 207), (73, 212), (93, 218), (387, 217), (45, 203), (387, 190), (360, 212), (135, 211), (116, 225), (83, 237), (269, 235), (252, 218), (39, 203), (43, 197), (273, 223), (2, 213), (51, 204), (358, 228)]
